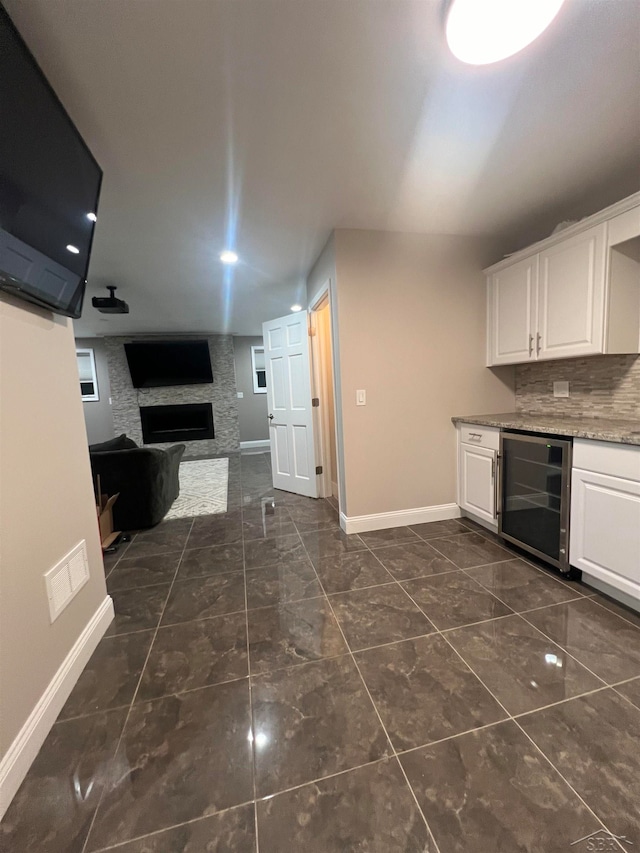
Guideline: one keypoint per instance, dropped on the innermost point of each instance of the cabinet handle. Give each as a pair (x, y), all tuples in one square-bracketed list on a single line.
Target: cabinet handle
[(530, 345), (493, 470), (477, 435), (497, 490), (538, 338)]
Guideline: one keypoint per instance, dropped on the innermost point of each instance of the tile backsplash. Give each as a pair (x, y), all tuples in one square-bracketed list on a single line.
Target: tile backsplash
[(600, 386)]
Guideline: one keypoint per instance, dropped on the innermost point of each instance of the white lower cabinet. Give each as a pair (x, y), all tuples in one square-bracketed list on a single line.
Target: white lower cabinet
[(477, 459), (605, 514)]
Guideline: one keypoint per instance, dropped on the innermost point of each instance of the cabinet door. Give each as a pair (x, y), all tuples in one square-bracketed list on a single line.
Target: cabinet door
[(478, 481), (512, 305), (571, 292), (605, 529)]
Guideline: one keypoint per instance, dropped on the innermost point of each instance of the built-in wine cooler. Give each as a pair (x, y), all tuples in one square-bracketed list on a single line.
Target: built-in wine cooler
[(535, 495)]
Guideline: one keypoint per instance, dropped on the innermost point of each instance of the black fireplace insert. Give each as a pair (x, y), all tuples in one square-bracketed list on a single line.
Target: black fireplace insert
[(188, 422)]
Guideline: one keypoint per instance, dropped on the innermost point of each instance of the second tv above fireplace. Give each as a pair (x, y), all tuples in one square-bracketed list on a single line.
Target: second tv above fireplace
[(155, 364)]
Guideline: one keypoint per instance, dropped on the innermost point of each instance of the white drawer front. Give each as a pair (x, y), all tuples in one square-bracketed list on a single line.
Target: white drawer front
[(480, 436), (603, 457)]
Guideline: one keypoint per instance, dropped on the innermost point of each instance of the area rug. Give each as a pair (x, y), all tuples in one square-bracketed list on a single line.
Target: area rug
[(203, 488)]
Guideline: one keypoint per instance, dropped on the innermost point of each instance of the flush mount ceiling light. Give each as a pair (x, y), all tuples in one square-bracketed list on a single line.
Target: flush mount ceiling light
[(296, 307), (73, 249), (483, 31), (228, 257)]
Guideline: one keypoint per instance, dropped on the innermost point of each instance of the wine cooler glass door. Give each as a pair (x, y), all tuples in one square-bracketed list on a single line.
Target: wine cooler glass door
[(534, 491)]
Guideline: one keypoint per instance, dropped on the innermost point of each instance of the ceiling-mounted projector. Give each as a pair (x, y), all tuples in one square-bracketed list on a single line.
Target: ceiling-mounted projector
[(110, 304)]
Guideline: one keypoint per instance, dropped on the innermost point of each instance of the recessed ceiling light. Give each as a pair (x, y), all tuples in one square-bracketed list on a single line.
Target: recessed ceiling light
[(92, 217), (228, 257), (483, 31), (73, 249), (296, 307)]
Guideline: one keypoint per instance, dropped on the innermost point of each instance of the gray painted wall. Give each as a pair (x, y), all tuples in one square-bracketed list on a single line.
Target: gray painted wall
[(221, 394), (97, 414), (252, 408)]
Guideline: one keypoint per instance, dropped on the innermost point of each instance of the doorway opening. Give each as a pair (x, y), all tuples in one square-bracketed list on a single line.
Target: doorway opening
[(323, 390)]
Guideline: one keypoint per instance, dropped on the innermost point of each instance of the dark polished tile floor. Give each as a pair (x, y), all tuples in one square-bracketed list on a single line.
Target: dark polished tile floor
[(271, 684)]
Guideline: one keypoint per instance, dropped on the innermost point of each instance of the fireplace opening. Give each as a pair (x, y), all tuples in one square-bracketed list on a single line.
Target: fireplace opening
[(189, 422)]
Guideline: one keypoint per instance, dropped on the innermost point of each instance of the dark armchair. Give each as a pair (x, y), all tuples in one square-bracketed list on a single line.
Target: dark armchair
[(145, 477)]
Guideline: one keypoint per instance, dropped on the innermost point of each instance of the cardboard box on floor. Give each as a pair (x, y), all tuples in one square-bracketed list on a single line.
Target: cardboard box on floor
[(104, 509)]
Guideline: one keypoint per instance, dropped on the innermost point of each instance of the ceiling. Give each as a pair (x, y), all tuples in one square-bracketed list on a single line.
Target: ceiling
[(261, 125)]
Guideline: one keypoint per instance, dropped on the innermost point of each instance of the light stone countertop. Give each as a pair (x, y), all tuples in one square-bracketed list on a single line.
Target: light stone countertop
[(600, 429)]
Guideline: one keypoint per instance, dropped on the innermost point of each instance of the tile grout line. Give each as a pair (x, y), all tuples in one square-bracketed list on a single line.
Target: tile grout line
[(375, 708), (327, 598), (614, 687), (512, 718), (566, 651), (121, 844), (135, 693), (551, 576), (624, 618), (577, 597), (508, 718), (562, 776), (251, 717), (131, 704), (319, 779), (522, 615)]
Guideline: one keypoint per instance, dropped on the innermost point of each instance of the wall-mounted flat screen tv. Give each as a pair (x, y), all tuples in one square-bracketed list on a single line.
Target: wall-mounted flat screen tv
[(153, 364), (49, 186)]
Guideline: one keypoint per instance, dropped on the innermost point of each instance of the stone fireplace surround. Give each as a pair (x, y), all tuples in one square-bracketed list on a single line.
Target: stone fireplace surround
[(127, 400)]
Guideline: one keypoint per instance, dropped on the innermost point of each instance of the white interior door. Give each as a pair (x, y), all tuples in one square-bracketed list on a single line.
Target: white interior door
[(286, 352)]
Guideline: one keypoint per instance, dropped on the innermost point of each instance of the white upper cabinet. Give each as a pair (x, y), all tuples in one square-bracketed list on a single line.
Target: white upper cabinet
[(512, 312), (576, 293), (571, 288)]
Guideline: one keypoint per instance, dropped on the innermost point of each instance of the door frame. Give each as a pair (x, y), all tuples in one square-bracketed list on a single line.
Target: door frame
[(322, 427)]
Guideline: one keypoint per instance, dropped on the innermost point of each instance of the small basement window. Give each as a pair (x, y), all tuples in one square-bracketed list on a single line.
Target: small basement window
[(258, 370), (87, 373)]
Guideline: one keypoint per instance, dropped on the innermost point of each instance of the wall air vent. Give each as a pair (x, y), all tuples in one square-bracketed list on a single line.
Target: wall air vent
[(65, 579)]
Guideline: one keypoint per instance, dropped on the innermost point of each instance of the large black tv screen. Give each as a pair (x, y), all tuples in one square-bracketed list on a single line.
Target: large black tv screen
[(49, 186), (153, 364)]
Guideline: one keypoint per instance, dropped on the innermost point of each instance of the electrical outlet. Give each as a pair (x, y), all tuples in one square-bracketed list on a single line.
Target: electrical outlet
[(240, 395), (560, 389)]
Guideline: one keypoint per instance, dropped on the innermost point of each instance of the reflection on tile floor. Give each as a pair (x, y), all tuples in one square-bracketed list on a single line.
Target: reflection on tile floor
[(272, 684)]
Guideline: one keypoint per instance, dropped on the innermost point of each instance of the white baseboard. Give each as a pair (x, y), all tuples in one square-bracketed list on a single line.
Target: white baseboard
[(20, 755), (248, 445), (401, 518)]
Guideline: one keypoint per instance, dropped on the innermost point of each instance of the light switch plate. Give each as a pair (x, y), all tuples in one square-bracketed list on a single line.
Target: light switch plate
[(361, 398), (560, 389)]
